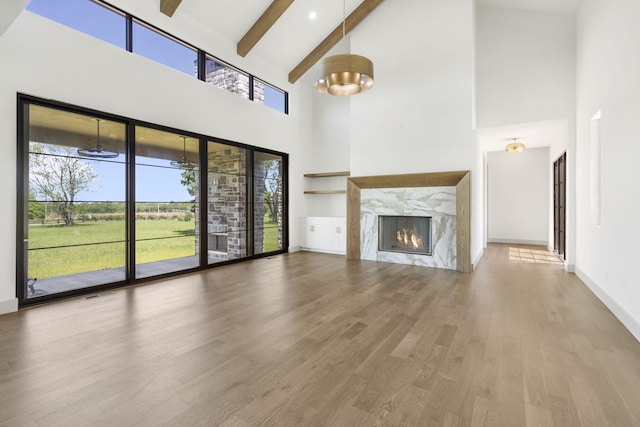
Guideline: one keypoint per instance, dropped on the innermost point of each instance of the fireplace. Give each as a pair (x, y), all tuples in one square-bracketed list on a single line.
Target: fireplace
[(407, 234)]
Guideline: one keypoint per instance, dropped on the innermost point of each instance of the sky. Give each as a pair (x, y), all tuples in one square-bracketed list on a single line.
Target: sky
[(156, 181), (95, 20)]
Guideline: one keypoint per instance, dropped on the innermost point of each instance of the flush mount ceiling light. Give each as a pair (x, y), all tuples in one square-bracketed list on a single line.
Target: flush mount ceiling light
[(514, 146), (183, 163), (347, 74), (97, 152)]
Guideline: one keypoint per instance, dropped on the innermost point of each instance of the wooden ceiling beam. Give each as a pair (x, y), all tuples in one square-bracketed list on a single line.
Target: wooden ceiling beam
[(357, 16), (168, 7), (262, 25)]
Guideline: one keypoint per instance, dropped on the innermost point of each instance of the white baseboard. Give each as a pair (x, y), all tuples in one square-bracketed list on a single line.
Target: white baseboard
[(519, 241), (324, 251), (477, 260), (570, 268), (295, 248), (9, 306), (623, 316)]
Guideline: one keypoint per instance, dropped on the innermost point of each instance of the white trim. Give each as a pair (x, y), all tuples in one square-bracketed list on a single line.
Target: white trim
[(569, 268), (519, 242), (477, 260), (324, 251), (623, 315), (9, 306), (295, 248)]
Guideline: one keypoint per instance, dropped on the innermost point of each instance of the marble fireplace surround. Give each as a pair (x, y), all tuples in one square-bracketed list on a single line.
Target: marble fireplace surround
[(460, 179)]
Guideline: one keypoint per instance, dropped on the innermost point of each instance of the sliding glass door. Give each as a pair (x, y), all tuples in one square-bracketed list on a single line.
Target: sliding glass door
[(104, 201), (227, 199), (167, 193), (268, 202), (76, 227)]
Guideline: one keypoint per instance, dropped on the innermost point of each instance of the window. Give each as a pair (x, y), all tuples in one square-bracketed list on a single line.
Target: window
[(76, 226), (268, 204), (167, 171), (86, 16), (101, 20), (105, 201), (226, 77), (270, 96), (228, 168), (163, 49)]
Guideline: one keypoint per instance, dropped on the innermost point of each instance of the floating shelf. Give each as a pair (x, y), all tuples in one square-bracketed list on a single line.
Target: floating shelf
[(326, 174), (326, 192)]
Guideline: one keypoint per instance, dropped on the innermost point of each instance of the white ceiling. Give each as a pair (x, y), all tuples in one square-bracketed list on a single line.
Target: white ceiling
[(290, 39), (294, 35), (564, 7), (534, 134)]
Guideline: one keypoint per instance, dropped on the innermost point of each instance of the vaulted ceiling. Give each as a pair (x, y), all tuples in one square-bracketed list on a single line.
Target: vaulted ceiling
[(295, 34), (281, 31)]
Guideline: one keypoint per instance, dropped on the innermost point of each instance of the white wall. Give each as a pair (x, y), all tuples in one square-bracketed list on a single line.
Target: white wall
[(45, 59), (418, 116), (518, 196), (608, 70), (330, 152), (526, 74), (9, 11), (525, 66)]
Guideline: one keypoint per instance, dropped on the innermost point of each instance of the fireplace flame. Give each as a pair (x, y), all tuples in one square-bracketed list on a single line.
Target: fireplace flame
[(409, 238)]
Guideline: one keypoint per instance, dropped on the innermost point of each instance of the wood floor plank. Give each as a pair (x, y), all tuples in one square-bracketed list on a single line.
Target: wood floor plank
[(310, 339)]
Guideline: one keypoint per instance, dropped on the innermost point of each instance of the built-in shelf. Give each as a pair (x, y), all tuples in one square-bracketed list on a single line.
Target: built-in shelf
[(326, 192), (326, 174)]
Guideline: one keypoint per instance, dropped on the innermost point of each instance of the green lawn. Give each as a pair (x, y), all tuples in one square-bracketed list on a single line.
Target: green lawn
[(177, 240), (270, 237)]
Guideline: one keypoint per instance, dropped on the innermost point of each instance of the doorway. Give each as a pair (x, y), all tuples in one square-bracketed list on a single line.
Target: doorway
[(559, 205)]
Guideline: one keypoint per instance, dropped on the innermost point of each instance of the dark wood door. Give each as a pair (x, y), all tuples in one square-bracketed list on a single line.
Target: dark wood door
[(559, 205)]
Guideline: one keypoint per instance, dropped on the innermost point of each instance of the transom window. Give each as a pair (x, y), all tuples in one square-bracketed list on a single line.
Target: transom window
[(103, 21)]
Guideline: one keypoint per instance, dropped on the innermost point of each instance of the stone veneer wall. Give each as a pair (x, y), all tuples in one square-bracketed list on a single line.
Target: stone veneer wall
[(235, 82), (258, 207), (227, 182)]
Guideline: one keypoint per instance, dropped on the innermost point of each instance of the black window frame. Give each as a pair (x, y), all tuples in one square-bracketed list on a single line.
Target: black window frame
[(200, 53), (22, 210)]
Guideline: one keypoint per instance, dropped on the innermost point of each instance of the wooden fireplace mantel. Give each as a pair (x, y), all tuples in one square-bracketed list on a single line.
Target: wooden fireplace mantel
[(459, 179)]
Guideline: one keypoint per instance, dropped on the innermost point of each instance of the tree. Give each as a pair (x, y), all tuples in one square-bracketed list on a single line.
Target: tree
[(188, 179), (57, 175), (36, 209), (272, 183)]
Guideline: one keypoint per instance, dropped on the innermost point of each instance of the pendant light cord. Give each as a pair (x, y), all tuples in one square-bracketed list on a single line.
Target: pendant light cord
[(344, 26)]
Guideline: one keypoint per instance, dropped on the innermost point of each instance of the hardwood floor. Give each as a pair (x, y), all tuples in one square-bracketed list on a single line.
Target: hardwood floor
[(310, 339)]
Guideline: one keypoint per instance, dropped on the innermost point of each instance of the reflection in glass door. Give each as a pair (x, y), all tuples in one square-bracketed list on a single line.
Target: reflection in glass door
[(167, 208), (76, 189)]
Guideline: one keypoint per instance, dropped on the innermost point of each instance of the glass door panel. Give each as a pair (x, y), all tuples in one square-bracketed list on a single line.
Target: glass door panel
[(226, 202), (167, 208), (76, 192), (268, 202)]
